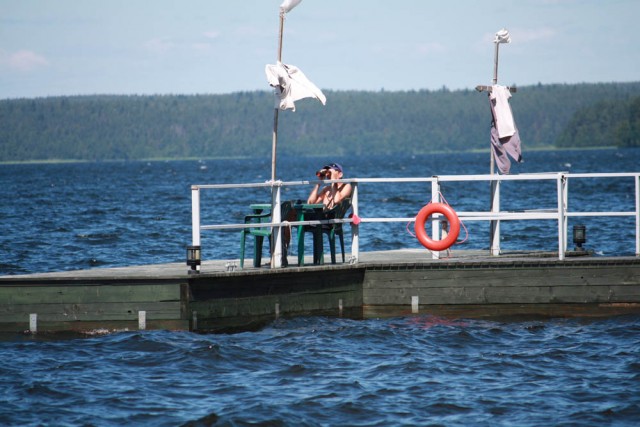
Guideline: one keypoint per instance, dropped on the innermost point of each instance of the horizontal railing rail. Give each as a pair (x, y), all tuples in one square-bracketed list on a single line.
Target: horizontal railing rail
[(559, 212)]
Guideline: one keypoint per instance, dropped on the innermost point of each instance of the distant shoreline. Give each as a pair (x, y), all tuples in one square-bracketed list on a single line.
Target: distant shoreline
[(170, 159)]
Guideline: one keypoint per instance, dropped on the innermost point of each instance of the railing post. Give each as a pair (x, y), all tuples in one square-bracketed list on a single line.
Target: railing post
[(355, 228), (435, 223), (638, 215), (276, 234), (195, 217), (495, 208), (565, 199), (562, 215)]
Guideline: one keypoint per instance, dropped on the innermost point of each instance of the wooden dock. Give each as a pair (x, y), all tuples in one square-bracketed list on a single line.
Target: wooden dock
[(389, 283)]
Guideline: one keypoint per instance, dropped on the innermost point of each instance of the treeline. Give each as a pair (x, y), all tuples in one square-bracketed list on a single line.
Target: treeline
[(612, 122), (352, 122)]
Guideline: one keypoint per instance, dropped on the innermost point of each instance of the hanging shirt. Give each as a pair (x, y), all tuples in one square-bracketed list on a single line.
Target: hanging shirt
[(502, 148), (505, 139), (503, 117)]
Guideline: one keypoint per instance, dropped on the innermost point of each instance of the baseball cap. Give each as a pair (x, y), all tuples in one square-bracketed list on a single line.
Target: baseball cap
[(335, 166)]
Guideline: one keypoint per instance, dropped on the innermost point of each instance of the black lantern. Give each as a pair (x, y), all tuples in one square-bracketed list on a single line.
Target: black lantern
[(193, 259), (579, 236)]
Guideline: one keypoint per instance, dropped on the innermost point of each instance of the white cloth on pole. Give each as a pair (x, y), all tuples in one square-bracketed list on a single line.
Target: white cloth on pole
[(291, 85), (508, 144), (502, 111), (287, 5), (505, 147)]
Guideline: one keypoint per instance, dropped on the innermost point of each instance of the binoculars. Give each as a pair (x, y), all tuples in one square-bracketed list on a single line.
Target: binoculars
[(323, 173)]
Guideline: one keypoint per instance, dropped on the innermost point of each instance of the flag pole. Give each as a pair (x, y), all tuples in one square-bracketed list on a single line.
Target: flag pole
[(274, 143), (276, 235), (502, 36), (494, 233), (494, 82)]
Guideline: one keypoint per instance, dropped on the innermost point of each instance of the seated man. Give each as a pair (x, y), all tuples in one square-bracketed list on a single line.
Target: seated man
[(330, 196)]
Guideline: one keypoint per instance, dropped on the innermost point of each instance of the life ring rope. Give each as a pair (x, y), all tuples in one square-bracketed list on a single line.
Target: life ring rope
[(454, 226)]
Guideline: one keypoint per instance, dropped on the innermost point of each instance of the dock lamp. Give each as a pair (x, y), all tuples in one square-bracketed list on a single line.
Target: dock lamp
[(193, 259), (579, 236)]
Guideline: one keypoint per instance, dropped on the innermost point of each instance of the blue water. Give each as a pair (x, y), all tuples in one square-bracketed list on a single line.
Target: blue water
[(326, 371), (420, 370), (56, 217)]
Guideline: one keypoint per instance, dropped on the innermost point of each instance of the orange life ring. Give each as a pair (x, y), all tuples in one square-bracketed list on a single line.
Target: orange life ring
[(454, 226)]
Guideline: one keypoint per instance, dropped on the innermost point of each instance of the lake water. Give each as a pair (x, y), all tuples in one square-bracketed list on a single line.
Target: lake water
[(56, 217), (420, 370), (315, 371)]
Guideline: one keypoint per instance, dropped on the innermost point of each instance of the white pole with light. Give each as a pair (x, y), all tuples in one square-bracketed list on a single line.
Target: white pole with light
[(276, 247), (285, 7), (502, 36)]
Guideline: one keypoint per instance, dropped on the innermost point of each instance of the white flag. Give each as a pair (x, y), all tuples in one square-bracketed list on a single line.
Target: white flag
[(502, 36), (291, 85), (287, 5)]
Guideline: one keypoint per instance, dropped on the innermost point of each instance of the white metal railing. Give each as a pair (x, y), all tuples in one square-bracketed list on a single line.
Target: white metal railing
[(495, 215)]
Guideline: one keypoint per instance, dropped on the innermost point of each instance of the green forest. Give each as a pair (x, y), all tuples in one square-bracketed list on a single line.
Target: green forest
[(115, 127)]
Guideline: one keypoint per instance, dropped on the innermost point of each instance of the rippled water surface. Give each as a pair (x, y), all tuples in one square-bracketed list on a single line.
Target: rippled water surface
[(56, 217), (419, 370)]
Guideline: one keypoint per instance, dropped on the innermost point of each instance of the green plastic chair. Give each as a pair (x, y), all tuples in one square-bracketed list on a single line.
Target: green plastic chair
[(259, 233), (331, 230)]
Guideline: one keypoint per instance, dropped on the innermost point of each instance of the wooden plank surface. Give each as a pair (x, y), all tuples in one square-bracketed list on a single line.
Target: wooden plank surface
[(394, 260)]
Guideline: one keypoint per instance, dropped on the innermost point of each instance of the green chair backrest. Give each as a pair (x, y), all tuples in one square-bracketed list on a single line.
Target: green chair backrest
[(340, 210)]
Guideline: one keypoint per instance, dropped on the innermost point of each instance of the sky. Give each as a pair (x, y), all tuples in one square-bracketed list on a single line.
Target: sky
[(146, 47)]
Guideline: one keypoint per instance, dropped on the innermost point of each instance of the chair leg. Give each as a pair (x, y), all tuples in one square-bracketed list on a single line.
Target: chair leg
[(300, 246), (284, 260), (242, 238), (257, 251), (318, 247), (332, 246)]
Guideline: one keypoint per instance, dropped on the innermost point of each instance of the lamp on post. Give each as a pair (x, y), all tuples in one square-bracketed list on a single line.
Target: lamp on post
[(579, 236), (193, 259)]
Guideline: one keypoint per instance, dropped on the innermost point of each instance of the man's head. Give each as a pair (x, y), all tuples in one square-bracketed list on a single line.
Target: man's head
[(334, 166)]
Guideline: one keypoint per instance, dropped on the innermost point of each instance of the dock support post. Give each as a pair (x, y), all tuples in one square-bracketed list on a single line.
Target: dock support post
[(33, 323), (194, 321), (340, 307), (277, 310), (415, 304), (142, 320)]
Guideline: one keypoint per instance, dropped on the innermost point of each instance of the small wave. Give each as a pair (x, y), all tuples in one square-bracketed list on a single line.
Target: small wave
[(12, 269), (98, 238), (205, 421)]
